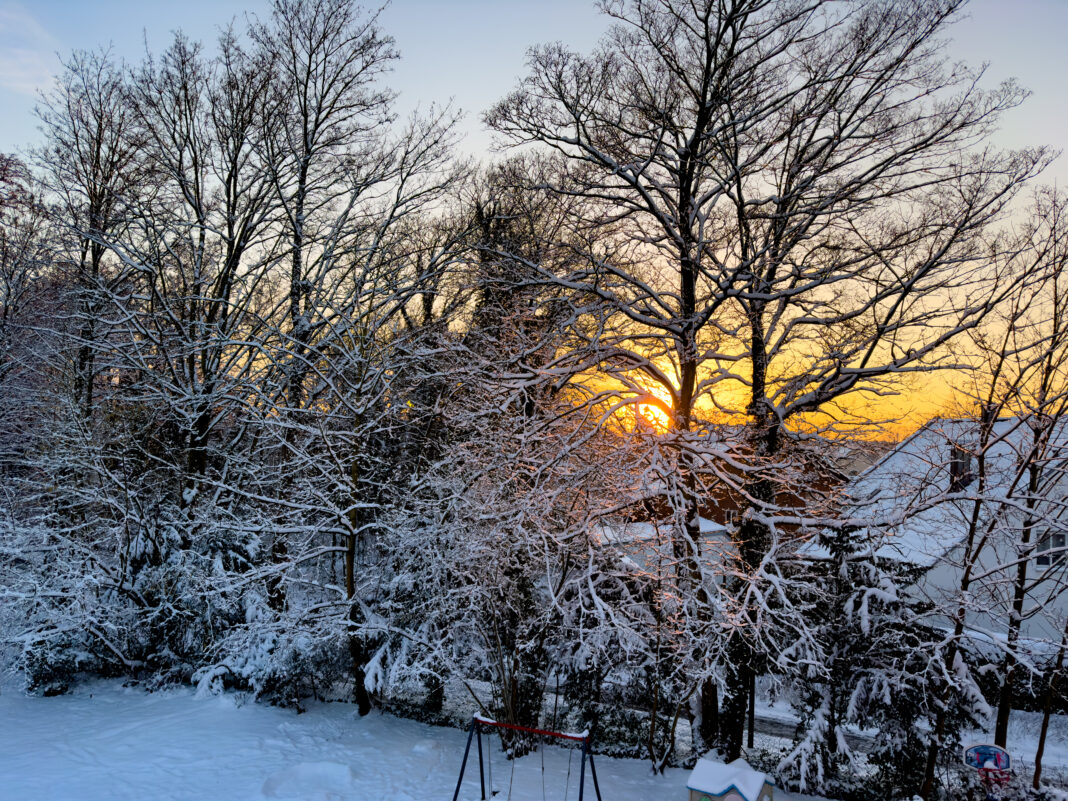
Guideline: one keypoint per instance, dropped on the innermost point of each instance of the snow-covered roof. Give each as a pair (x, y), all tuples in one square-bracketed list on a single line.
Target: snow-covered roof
[(644, 544), (638, 532), (906, 497), (716, 778)]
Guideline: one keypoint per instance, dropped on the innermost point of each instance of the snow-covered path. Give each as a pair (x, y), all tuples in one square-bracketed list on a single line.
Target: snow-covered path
[(106, 742)]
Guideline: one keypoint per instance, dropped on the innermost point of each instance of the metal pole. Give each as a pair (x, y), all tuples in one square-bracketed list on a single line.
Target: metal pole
[(489, 761), (463, 765), (593, 773), (481, 775), (582, 770)]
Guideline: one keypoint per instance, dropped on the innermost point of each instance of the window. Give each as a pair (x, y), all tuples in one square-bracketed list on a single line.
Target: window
[(1051, 542), (960, 469)]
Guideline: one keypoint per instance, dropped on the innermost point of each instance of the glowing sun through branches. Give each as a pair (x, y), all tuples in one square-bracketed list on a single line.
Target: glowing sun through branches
[(653, 408)]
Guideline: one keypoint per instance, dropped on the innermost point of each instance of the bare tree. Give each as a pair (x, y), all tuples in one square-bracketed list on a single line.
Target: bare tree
[(90, 166), (801, 206), (325, 58), (25, 252), (1040, 375), (992, 482), (1021, 372), (323, 142)]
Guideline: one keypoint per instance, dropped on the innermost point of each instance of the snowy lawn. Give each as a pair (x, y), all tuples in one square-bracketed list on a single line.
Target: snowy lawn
[(107, 742)]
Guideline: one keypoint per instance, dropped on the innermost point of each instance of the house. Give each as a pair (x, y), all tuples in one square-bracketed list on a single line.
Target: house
[(818, 468), (643, 532), (647, 545), (734, 781), (918, 503)]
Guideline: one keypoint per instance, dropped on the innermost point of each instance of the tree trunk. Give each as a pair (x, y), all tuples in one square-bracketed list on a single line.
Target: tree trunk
[(357, 651), (971, 552), (709, 706), (1051, 693), (1001, 728), (753, 536), (752, 708), (358, 656)]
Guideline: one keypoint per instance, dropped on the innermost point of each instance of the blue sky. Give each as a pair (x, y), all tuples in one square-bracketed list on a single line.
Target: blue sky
[(472, 51)]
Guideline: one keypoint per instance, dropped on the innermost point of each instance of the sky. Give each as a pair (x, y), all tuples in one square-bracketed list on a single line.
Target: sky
[(472, 52)]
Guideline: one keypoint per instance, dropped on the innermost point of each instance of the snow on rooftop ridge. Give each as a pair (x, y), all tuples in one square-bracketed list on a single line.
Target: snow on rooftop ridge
[(716, 778), (917, 472), (708, 526), (628, 531)]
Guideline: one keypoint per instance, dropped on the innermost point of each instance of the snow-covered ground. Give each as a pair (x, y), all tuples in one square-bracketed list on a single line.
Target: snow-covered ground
[(105, 742), (776, 719)]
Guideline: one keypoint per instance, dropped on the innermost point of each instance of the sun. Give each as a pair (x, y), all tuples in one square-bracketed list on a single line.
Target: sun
[(654, 409)]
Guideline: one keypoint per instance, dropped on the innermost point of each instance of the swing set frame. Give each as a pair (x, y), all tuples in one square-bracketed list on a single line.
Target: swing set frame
[(474, 733)]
